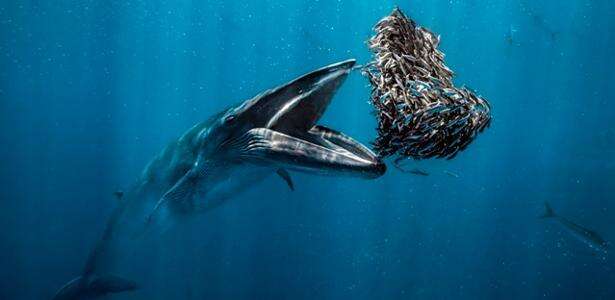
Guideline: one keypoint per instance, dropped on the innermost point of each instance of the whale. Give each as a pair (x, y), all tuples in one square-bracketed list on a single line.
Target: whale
[(273, 133)]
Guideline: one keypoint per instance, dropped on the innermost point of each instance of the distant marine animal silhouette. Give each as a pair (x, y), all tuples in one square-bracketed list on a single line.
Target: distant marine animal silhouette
[(587, 236)]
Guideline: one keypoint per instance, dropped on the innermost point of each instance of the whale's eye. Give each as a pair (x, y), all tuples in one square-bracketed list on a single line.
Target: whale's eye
[(229, 119)]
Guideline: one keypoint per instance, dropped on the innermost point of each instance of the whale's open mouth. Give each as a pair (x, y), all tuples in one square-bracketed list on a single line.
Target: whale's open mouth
[(285, 130)]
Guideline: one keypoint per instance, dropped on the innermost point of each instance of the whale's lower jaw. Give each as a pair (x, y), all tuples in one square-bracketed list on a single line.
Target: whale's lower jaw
[(321, 151)]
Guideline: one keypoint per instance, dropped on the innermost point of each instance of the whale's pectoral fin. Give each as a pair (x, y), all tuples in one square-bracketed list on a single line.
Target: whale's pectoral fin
[(180, 197), (289, 181), (182, 193)]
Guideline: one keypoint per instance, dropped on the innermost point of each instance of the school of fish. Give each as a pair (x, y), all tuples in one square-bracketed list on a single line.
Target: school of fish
[(420, 113)]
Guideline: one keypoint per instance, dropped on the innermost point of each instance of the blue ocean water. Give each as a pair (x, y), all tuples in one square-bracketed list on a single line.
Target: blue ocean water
[(90, 91)]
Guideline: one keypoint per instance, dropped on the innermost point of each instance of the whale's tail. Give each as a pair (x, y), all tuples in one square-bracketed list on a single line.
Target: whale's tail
[(548, 212), (94, 286)]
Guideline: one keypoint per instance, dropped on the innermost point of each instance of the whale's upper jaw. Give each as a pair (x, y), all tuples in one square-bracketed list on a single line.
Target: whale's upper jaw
[(284, 129), (307, 98), (298, 104)]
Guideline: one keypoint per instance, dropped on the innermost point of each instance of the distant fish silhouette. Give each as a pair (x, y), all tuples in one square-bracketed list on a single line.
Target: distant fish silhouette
[(397, 163), (418, 172), (589, 237), (449, 173), (511, 36), (541, 24), (414, 171), (118, 195)]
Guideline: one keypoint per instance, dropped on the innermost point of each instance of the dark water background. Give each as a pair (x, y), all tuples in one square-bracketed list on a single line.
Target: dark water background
[(91, 90)]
